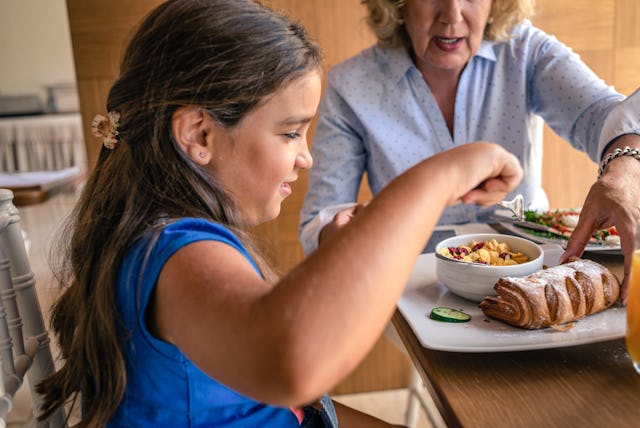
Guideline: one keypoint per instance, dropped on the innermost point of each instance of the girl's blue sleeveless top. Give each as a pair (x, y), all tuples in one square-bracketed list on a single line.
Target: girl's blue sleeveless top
[(164, 388)]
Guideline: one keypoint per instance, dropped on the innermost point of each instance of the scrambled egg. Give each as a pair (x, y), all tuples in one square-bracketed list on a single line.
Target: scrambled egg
[(490, 252)]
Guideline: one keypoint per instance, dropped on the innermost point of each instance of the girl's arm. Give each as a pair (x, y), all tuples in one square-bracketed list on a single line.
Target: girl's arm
[(289, 343)]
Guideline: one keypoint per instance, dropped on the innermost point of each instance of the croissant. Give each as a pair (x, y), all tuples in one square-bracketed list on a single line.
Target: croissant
[(553, 296)]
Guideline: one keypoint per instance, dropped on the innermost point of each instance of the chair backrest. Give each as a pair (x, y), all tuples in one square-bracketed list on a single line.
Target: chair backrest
[(24, 342)]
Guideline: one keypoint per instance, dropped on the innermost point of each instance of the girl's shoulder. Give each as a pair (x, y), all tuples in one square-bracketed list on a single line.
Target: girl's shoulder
[(147, 256), (193, 225), (177, 233), (169, 235)]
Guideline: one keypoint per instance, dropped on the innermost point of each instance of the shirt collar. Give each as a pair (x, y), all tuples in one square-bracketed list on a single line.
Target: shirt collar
[(399, 62), (487, 50)]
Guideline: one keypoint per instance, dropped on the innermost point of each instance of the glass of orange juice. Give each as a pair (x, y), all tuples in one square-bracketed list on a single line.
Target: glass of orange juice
[(633, 305)]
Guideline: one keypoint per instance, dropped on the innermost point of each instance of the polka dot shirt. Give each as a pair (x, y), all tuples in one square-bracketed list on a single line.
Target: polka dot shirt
[(379, 116)]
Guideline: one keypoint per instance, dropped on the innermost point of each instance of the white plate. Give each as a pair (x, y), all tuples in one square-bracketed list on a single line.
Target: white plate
[(609, 249), (482, 334)]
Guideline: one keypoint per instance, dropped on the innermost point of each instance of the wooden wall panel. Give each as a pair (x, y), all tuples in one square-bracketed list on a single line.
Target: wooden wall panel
[(588, 27), (627, 42), (627, 69), (585, 25), (99, 31), (98, 34), (627, 29)]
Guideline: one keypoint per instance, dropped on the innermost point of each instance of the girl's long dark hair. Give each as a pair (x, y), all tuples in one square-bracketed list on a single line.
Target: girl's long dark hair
[(225, 56)]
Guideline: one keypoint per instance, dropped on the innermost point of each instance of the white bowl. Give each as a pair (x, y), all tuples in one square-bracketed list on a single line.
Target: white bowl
[(475, 281)]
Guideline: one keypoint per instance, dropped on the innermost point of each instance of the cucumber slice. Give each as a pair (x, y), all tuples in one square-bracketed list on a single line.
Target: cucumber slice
[(448, 315)]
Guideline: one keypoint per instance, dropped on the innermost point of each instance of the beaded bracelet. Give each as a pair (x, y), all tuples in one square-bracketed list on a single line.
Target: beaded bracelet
[(627, 151)]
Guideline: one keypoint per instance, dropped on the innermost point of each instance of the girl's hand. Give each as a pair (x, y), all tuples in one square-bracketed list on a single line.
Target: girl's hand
[(491, 173)]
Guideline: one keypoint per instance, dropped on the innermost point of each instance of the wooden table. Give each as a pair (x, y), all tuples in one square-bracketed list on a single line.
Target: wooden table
[(580, 386)]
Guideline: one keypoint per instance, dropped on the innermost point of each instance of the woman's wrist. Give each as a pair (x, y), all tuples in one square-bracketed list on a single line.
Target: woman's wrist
[(616, 154)]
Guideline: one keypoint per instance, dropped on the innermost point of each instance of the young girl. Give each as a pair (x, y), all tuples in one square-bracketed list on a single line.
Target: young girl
[(170, 317)]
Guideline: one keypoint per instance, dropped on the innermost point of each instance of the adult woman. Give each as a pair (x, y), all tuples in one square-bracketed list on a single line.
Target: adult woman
[(446, 72)]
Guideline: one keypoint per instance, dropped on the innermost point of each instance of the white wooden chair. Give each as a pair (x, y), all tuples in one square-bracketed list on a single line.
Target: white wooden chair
[(24, 342)]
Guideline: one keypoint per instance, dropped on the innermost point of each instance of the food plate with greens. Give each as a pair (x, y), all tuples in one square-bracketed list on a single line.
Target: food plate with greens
[(556, 226)]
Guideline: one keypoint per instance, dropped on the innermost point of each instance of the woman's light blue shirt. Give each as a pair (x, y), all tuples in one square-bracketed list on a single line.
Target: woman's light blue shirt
[(378, 116)]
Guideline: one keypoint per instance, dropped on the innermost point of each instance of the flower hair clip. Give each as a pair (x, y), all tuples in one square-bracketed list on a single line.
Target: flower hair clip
[(106, 128)]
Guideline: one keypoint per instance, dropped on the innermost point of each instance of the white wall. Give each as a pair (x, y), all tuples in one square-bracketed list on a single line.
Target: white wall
[(35, 46)]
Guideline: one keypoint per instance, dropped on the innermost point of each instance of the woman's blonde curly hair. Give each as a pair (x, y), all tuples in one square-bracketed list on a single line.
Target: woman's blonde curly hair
[(385, 19)]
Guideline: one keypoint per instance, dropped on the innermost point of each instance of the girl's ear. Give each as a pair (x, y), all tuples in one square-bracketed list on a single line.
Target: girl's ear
[(190, 128)]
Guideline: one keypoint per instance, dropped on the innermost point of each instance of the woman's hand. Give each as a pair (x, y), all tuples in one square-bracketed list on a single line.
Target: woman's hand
[(339, 221), (613, 200)]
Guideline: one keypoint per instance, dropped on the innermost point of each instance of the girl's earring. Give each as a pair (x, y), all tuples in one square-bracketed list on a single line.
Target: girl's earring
[(202, 155)]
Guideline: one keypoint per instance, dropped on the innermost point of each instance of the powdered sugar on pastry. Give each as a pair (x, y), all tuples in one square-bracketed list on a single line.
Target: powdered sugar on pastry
[(552, 297)]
